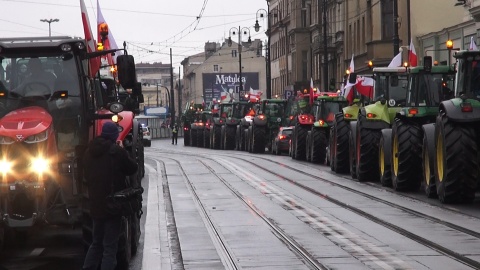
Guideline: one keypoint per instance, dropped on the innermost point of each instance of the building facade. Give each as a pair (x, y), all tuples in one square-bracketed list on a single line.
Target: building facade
[(215, 73)]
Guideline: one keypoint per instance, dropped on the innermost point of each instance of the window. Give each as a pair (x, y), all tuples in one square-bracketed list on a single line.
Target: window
[(215, 68), (234, 53), (387, 19)]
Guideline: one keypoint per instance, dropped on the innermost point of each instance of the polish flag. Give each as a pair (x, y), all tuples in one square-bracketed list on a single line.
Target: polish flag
[(223, 96), (396, 61), (94, 63), (311, 91), (254, 95), (412, 55), (347, 91), (364, 86), (109, 42), (473, 46)]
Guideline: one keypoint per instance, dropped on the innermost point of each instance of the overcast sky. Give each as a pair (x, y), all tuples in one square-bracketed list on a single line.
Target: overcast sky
[(150, 27)]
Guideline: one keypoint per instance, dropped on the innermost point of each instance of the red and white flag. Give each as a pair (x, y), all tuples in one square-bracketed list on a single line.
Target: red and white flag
[(412, 55), (109, 42), (347, 91), (94, 63), (473, 45), (396, 61), (351, 68), (364, 86), (254, 95)]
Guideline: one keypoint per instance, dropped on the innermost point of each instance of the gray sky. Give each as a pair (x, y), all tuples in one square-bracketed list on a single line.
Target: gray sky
[(150, 27)]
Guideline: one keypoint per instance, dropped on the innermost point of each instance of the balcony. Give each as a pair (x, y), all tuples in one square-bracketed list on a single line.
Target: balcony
[(318, 45)]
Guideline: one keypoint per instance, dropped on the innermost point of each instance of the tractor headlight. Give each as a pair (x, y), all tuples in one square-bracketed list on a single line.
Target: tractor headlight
[(39, 165), (40, 137), (5, 166)]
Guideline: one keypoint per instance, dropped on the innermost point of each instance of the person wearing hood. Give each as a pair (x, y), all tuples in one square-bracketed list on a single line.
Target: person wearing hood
[(106, 166)]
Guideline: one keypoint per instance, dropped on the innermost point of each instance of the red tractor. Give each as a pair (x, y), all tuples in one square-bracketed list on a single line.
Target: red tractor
[(47, 122)]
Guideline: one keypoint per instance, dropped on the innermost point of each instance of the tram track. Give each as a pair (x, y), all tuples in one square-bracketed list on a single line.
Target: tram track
[(417, 238)]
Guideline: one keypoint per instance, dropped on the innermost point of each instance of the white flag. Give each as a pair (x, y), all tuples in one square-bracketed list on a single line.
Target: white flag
[(396, 61), (473, 46)]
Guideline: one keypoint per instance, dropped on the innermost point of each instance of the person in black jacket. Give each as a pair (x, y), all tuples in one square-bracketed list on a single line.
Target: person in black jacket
[(106, 165)]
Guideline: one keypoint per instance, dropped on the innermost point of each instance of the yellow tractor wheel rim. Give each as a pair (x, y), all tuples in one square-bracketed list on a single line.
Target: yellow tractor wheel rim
[(440, 157), (382, 162), (395, 155), (426, 168)]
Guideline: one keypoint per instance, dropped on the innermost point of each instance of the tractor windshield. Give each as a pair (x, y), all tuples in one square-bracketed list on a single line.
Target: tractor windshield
[(274, 109), (392, 87), (429, 89), (469, 78), (326, 110), (242, 109), (31, 80), (226, 110)]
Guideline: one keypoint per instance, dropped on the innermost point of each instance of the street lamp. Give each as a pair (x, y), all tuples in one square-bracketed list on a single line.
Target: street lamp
[(50, 21), (244, 29)]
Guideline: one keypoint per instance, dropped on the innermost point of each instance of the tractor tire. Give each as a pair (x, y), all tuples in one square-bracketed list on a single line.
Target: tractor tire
[(308, 145), (406, 155), (456, 160), (230, 137), (200, 138), (339, 146), (385, 157), (300, 142), (258, 140), (124, 252), (206, 138), (216, 139), (352, 134), (193, 137), (367, 152), (318, 151), (428, 153), (186, 138)]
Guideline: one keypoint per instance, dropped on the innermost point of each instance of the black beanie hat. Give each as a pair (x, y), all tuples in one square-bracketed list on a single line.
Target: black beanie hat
[(110, 131)]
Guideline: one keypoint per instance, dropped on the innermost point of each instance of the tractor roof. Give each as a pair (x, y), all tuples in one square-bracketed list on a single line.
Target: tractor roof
[(389, 70), (465, 54), (435, 69), (36, 42)]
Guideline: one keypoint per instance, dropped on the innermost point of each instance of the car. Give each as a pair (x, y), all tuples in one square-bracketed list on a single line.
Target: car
[(281, 142), (147, 138)]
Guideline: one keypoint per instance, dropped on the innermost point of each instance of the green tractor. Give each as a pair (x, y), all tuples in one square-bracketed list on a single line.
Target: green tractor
[(265, 125), (401, 146), (201, 124), (302, 119), (229, 129), (450, 146), (338, 149), (324, 109), (390, 92), (187, 119)]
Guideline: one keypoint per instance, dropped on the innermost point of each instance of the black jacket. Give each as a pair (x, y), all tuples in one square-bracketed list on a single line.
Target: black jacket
[(105, 163)]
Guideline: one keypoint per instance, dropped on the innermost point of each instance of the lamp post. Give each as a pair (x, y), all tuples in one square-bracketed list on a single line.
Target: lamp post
[(449, 44), (50, 21), (244, 29)]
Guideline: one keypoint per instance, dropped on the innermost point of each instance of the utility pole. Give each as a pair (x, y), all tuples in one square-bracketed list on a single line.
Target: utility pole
[(269, 71), (396, 39), (325, 44), (240, 61), (179, 94), (172, 97)]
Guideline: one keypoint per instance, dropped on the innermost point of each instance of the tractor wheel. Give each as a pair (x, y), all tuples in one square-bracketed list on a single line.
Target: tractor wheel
[(206, 138), (258, 140), (352, 132), (186, 138), (300, 142), (406, 155), (308, 146), (124, 253), (339, 150), (428, 154), (193, 137), (456, 161), (367, 152), (200, 138), (230, 137), (319, 146), (216, 139), (385, 157)]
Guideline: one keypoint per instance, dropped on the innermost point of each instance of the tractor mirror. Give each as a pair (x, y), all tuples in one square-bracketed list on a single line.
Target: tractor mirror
[(126, 71), (427, 63), (352, 78)]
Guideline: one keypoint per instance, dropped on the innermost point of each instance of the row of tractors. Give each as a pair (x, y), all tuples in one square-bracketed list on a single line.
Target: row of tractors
[(416, 128)]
